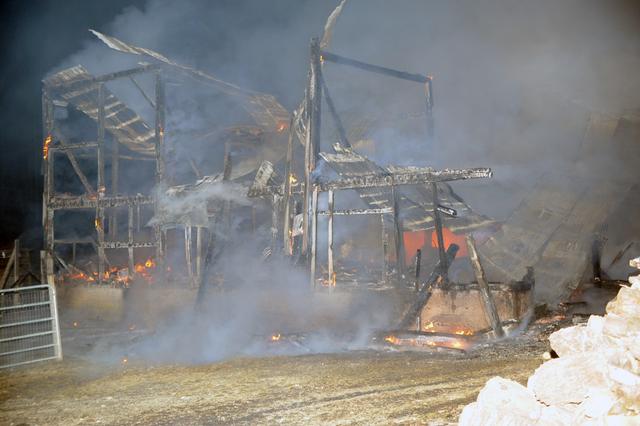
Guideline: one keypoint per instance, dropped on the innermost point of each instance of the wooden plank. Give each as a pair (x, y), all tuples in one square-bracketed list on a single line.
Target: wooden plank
[(487, 299)]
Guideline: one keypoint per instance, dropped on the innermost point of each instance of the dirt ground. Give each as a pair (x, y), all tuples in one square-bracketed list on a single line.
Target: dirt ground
[(363, 387)]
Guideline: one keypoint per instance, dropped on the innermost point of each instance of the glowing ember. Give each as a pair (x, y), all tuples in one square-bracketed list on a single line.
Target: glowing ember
[(45, 146), (124, 361), (282, 126), (275, 337)]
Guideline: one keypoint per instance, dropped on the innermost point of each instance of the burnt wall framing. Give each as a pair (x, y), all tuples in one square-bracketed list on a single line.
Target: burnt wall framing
[(310, 189), (106, 194)]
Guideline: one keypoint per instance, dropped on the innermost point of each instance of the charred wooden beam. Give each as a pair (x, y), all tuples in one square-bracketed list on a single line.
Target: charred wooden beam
[(356, 212), (380, 180), (115, 75), (487, 298), (89, 202), (142, 92), (63, 147), (424, 293), (429, 110), (377, 69), (127, 244)]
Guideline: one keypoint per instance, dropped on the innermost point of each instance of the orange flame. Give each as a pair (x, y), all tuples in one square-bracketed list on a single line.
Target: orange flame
[(275, 337), (45, 146)]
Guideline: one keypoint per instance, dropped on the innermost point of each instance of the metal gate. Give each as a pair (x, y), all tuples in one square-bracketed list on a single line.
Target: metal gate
[(29, 327)]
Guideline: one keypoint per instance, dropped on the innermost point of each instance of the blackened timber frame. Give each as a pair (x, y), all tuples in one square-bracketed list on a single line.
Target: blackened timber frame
[(100, 198)]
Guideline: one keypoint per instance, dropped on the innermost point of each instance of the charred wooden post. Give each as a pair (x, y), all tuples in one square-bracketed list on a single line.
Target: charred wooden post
[(416, 282), (16, 261), (330, 265), (160, 163), (438, 225), (314, 236), (275, 210), (115, 160), (48, 168), (385, 248), (226, 176), (188, 235), (312, 143), (429, 111), (287, 191), (487, 299), (199, 237), (130, 253), (399, 238), (424, 293), (99, 221)]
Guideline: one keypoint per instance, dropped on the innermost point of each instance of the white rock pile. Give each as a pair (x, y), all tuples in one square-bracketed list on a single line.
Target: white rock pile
[(595, 380)]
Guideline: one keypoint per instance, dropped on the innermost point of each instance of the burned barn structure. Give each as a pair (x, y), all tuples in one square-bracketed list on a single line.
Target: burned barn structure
[(133, 193), (143, 207)]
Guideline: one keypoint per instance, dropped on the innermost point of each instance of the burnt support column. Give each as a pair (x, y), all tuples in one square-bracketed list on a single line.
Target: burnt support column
[(487, 299), (49, 184), (429, 111), (330, 265), (399, 238), (314, 236), (132, 270), (385, 248), (438, 225), (115, 165), (312, 143), (188, 235), (288, 184), (199, 237), (160, 165), (275, 210), (99, 221), (416, 283)]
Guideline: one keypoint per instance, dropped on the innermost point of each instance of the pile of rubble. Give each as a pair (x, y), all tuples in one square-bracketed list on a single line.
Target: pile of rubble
[(594, 381)]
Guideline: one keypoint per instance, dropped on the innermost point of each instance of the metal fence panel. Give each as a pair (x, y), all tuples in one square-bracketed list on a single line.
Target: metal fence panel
[(29, 326)]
